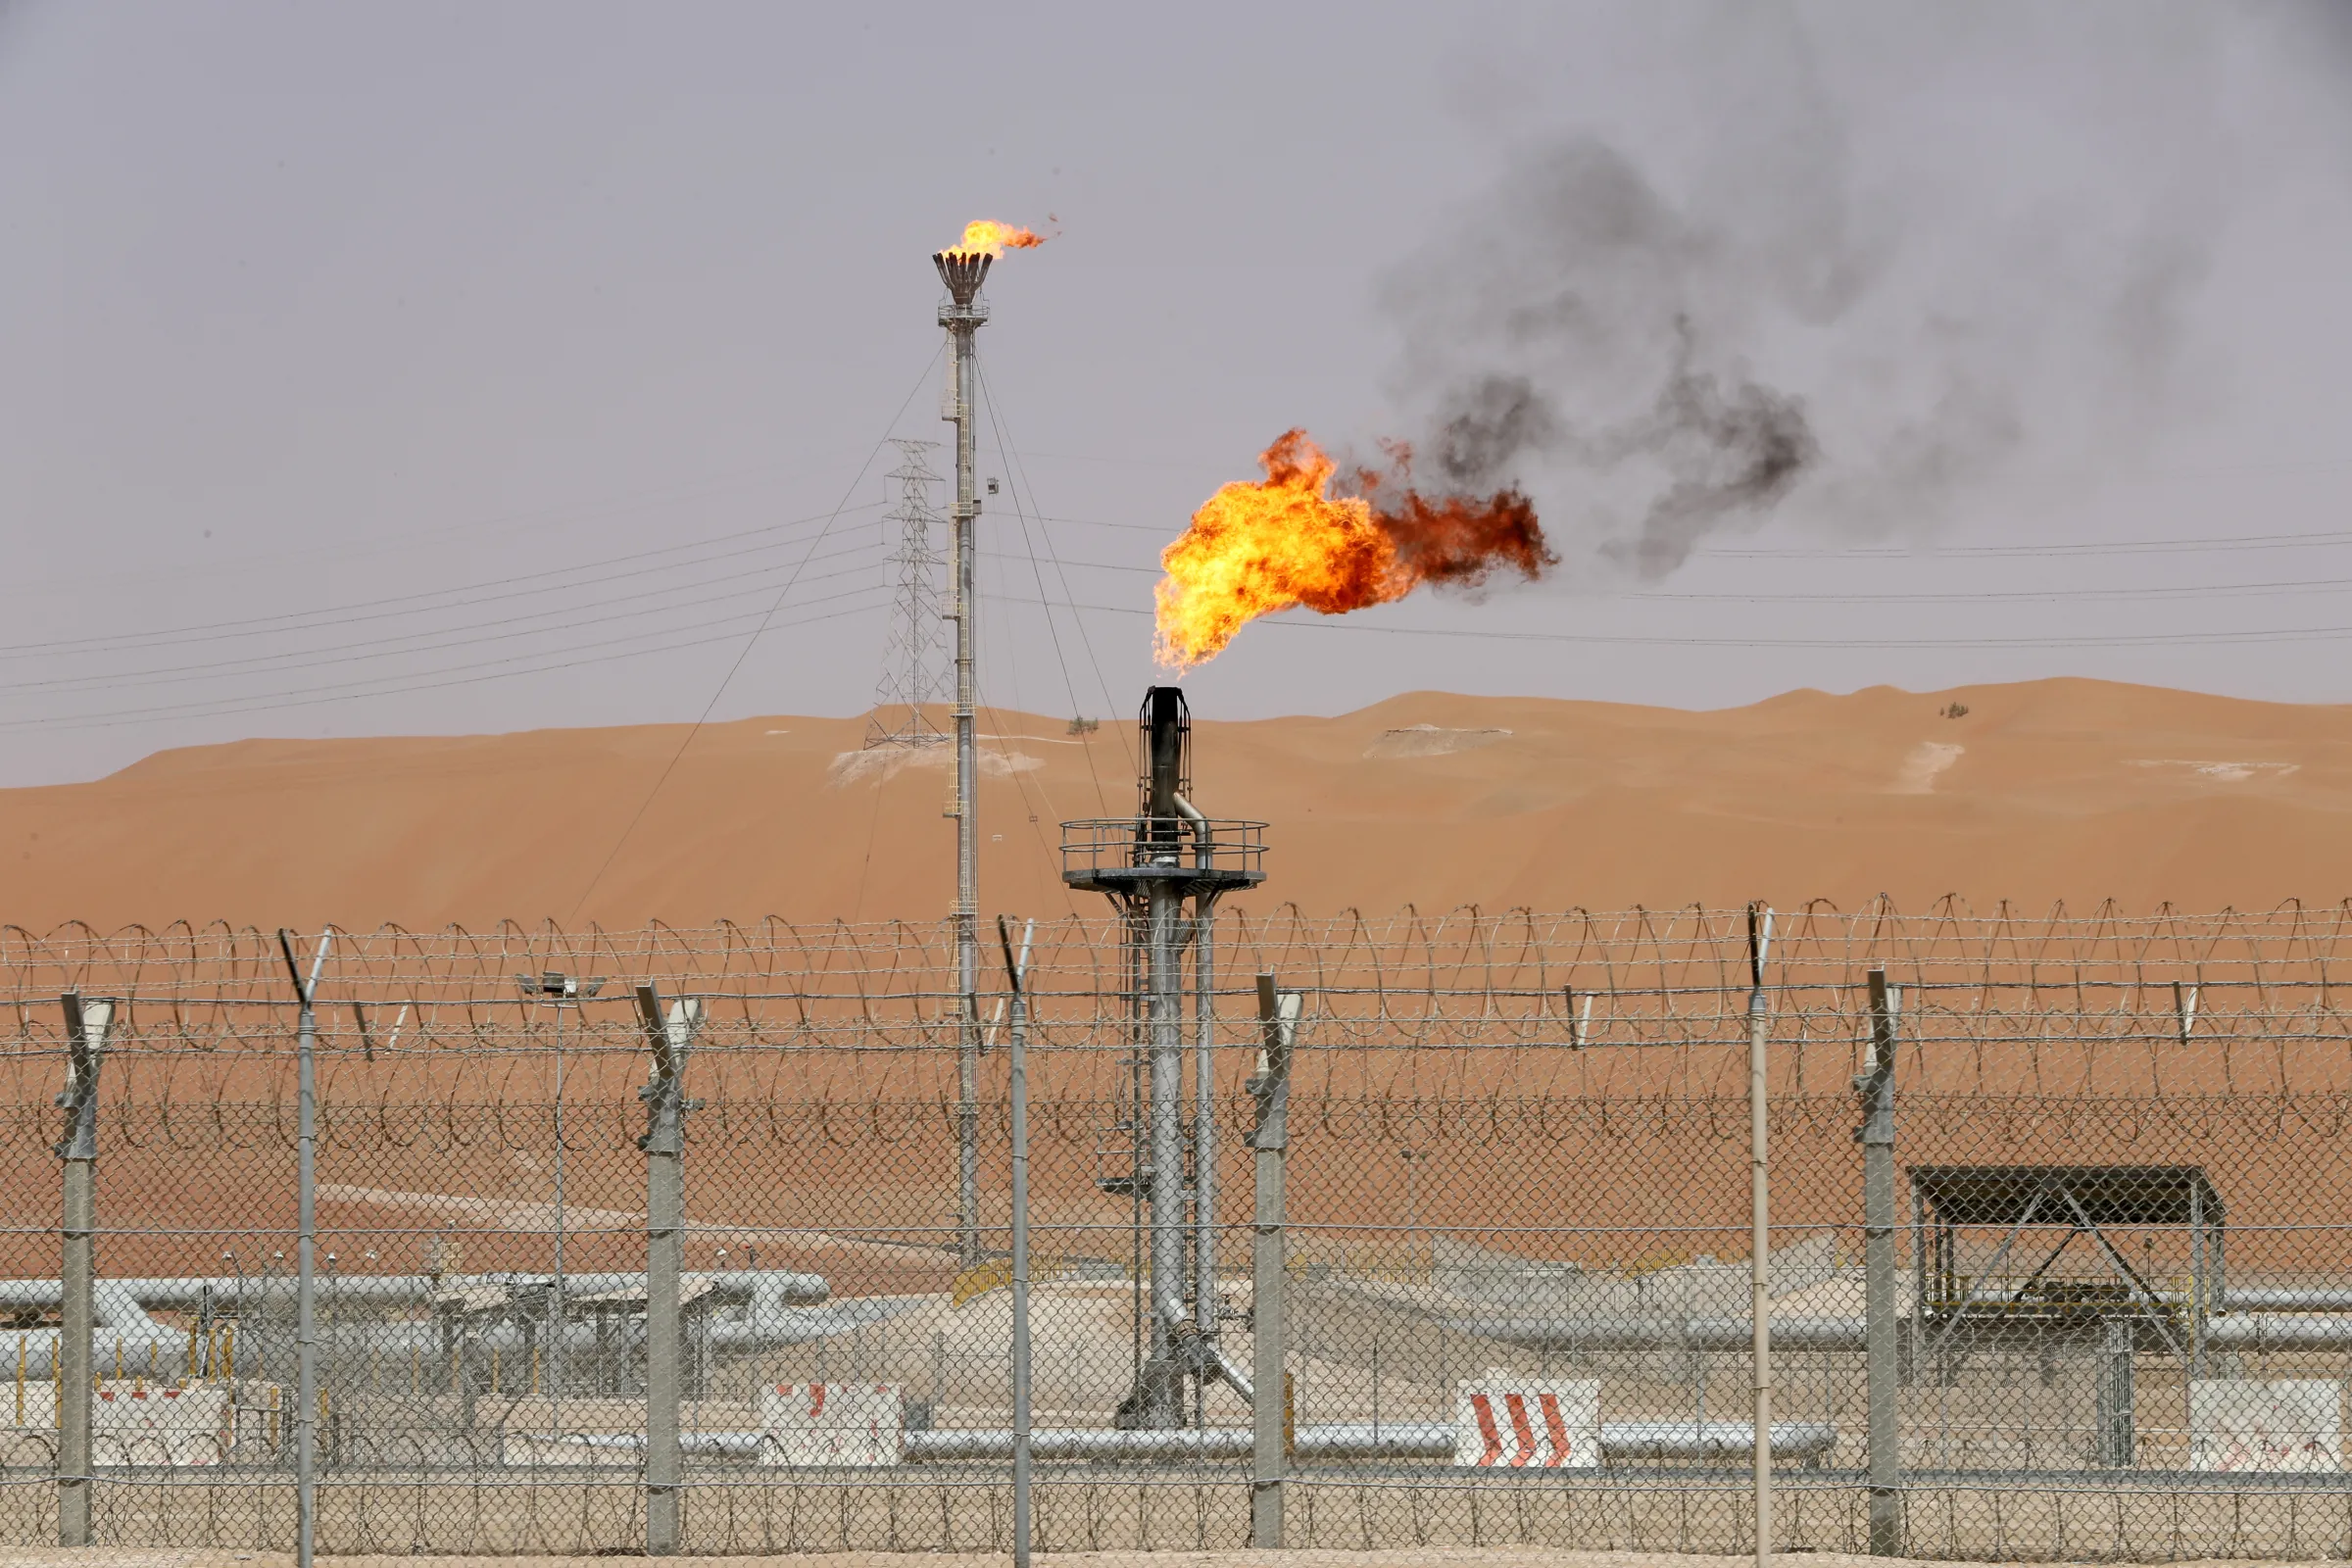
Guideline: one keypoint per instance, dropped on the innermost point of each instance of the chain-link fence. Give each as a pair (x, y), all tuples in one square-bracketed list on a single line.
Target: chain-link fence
[(2107, 1311)]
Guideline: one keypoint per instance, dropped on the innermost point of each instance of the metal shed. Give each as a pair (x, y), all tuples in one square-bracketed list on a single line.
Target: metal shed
[(2084, 1202)]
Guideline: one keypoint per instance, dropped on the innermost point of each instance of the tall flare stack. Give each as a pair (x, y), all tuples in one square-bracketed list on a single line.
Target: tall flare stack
[(1152, 867), (961, 313)]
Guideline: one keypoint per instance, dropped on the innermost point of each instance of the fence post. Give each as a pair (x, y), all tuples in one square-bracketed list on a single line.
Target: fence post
[(1884, 1372), (86, 1026), (1278, 1022), (1759, 1271), (1016, 971), (305, 1241), (664, 1143)]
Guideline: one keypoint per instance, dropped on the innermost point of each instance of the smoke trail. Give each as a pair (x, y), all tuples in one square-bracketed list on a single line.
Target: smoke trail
[(1850, 283)]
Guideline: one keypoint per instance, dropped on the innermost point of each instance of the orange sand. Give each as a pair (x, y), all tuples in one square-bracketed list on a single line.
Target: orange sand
[(2060, 789)]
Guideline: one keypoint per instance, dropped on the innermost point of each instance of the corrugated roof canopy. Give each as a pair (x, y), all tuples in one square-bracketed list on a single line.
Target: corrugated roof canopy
[(2109, 1195)]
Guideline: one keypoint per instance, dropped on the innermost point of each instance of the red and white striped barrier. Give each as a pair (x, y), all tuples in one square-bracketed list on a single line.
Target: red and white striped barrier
[(1514, 1423), (145, 1423)]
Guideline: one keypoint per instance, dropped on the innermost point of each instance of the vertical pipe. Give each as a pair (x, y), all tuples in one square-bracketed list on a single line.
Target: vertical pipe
[(1164, 1402), (1204, 1120), (1759, 1272), (1138, 1140), (1880, 1334), (1268, 1383), (1017, 971), (964, 323)]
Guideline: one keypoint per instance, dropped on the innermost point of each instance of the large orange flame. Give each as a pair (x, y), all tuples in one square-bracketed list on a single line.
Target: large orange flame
[(984, 237), (1260, 546)]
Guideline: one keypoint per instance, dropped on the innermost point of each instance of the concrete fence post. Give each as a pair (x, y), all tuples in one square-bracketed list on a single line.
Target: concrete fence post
[(305, 1247), (1884, 1371), (1278, 1023), (1016, 970), (1759, 1271), (668, 1035), (86, 1026)]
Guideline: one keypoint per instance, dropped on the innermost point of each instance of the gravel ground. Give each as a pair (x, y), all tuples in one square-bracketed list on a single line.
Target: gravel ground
[(1423, 1557)]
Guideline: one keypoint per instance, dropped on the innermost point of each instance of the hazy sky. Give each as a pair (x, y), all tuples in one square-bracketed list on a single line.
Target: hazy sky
[(419, 368)]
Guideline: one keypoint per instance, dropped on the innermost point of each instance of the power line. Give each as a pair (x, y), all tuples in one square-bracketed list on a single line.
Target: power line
[(347, 615), (746, 651), (2091, 546), (1004, 452), (1085, 641), (312, 697), (2282, 587), (421, 642), (472, 530), (2290, 634)]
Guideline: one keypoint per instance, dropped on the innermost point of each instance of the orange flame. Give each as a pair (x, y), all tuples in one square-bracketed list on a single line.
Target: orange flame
[(1260, 546), (984, 237)]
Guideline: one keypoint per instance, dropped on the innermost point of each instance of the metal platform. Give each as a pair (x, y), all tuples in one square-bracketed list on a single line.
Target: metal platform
[(1127, 857)]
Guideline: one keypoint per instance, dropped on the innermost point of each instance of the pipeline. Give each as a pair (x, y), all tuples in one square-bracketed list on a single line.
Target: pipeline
[(753, 1288), (1204, 1352), (1664, 1334), (2247, 1331), (2287, 1299), (692, 1444), (1356, 1440), (126, 1335), (2277, 1331)]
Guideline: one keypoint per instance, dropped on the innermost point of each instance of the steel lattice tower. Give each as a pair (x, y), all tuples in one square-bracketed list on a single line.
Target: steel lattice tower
[(914, 659)]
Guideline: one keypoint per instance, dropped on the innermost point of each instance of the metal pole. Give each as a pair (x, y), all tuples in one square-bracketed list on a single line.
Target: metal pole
[(306, 1243), (668, 1035), (555, 1340), (1016, 970), (1204, 1120), (2117, 1421), (1278, 1022), (1760, 1030), (1162, 1403), (962, 319), (1880, 1333), (2196, 1278), (86, 1026)]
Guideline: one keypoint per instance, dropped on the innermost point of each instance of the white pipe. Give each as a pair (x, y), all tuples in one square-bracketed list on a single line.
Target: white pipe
[(1357, 1439), (2287, 1299), (1665, 1333), (759, 1289), (2248, 1331), (1188, 1340), (127, 1336), (2315, 1331)]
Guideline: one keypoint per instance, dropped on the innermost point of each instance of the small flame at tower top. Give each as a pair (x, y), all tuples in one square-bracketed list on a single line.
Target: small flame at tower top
[(985, 236)]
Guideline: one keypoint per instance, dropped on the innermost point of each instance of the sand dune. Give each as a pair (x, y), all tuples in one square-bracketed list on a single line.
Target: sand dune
[(2061, 789)]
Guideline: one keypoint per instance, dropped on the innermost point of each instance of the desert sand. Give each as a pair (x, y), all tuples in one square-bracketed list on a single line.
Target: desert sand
[(2052, 790), (2071, 790)]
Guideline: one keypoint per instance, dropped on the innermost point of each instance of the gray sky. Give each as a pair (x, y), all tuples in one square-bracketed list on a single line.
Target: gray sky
[(409, 321)]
